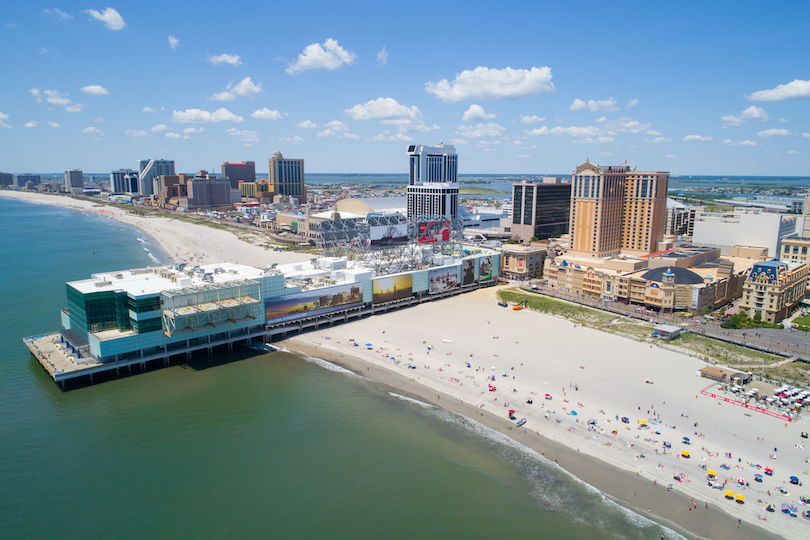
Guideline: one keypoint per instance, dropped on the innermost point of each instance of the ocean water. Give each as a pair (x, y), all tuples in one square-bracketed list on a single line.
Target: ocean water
[(246, 444)]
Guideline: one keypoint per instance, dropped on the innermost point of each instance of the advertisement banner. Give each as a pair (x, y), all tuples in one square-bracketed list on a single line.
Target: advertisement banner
[(485, 270), (388, 289), (389, 235), (434, 231), (314, 302), (442, 279), (468, 272)]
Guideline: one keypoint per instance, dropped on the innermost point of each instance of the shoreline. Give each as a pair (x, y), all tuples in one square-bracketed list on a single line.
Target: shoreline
[(180, 241), (671, 509), (610, 372)]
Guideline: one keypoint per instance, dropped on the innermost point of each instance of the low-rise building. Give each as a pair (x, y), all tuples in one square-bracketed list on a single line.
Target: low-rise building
[(795, 250), (773, 289), (522, 262)]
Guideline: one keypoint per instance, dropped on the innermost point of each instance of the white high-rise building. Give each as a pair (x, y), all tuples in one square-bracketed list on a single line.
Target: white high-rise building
[(120, 180), (149, 170), (432, 181)]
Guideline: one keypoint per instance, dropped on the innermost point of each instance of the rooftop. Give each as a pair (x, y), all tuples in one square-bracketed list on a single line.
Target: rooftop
[(151, 281)]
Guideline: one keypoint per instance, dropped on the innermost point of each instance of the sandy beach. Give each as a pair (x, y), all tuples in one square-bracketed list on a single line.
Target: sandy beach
[(180, 240), (598, 376)]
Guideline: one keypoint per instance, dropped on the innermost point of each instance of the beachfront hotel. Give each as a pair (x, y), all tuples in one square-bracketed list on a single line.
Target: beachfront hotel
[(432, 181), (773, 289), (286, 177), (135, 319), (616, 209)]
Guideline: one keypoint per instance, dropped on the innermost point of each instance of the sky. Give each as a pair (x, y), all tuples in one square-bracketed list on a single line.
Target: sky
[(519, 87)]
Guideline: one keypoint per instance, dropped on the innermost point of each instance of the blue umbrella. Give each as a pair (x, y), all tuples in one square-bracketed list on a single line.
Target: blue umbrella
[(668, 445), (794, 480), (686, 439), (369, 345), (410, 364), (574, 413)]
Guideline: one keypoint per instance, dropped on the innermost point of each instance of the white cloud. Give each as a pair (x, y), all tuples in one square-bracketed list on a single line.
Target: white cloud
[(243, 135), (75, 107), (573, 131), (784, 120), (197, 116), (386, 137), (608, 105), (53, 124), (792, 90), (521, 156), (751, 114), (330, 56), (774, 132), (476, 112), (669, 156), (171, 135), (291, 140), (793, 152), (660, 140), (388, 111), (351, 136), (99, 119), (3, 118), (160, 128), (632, 103), (37, 94), (337, 125), (57, 98), (147, 109), (306, 124), (244, 88), (267, 114), (382, 57), (593, 140), (232, 59), (186, 137), (484, 83), (193, 130), (92, 129), (95, 90), (111, 18), (480, 130), (533, 119), (696, 138), (729, 142), (31, 124), (805, 135), (605, 154), (458, 141), (627, 125), (174, 42), (60, 15)]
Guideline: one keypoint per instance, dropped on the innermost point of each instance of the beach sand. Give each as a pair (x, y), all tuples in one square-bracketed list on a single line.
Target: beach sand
[(180, 240), (587, 371)]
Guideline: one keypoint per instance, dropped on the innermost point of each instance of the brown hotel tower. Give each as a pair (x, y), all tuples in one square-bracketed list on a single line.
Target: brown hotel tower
[(617, 210)]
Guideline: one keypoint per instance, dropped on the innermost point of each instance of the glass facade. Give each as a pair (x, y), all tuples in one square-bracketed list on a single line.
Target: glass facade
[(110, 310)]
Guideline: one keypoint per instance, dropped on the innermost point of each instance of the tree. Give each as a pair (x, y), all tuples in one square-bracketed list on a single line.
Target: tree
[(534, 239), (758, 317)]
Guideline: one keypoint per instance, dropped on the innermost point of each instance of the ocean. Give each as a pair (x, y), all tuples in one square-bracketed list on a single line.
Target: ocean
[(246, 444)]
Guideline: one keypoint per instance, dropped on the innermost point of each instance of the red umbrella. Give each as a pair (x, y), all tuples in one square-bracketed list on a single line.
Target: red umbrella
[(511, 411)]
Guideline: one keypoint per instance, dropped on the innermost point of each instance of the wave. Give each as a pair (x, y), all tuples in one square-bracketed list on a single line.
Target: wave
[(154, 259), (324, 364), (414, 401)]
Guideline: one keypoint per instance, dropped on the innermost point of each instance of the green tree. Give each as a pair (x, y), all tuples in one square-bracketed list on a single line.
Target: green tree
[(758, 317)]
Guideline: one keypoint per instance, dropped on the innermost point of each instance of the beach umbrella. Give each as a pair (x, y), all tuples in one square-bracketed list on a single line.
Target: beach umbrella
[(740, 497), (686, 439), (729, 494), (574, 413), (769, 471), (757, 478), (794, 480), (804, 434), (411, 364), (685, 453), (740, 480), (511, 411), (642, 421), (667, 444), (369, 345), (770, 507), (711, 472)]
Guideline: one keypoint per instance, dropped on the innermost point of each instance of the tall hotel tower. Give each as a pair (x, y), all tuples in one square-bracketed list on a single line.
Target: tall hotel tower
[(287, 177), (617, 210), (432, 181)]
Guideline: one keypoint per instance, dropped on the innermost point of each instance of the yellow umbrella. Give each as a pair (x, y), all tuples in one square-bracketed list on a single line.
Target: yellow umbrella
[(642, 421), (728, 493), (685, 453), (711, 472), (740, 497)]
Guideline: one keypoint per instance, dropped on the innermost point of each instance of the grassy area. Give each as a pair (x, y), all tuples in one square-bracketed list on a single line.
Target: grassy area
[(476, 191), (726, 353), (795, 373), (803, 321), (555, 307)]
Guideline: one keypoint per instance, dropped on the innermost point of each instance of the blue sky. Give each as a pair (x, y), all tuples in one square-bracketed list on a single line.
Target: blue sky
[(719, 88)]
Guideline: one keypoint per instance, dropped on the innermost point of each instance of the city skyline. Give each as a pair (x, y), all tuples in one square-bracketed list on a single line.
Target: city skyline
[(521, 89)]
